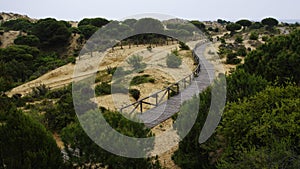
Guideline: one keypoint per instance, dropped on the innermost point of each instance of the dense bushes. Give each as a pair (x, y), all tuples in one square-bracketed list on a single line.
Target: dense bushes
[(277, 60), (25, 143), (260, 123), (262, 130), (51, 33), (29, 40), (91, 154), (18, 25)]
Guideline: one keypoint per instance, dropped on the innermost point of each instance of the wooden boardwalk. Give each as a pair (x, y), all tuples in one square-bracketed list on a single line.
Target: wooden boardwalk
[(165, 110)]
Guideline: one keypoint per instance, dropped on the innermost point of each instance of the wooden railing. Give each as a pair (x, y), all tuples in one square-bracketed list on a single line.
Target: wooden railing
[(166, 93)]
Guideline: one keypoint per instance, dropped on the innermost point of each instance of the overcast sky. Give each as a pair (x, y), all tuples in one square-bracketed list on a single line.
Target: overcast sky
[(186, 9)]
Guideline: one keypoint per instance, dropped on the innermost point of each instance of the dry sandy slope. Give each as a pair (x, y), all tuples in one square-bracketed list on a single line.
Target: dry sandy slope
[(64, 74), (157, 69)]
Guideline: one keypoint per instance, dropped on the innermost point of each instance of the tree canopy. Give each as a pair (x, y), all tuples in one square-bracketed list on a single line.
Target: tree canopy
[(232, 27), (148, 25), (277, 60), (25, 143), (51, 33), (98, 22), (270, 22), (244, 22)]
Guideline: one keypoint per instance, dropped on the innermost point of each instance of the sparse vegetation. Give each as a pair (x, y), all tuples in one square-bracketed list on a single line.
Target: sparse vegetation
[(136, 62), (141, 79)]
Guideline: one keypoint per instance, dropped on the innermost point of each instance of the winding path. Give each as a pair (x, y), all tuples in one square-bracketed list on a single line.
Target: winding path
[(164, 111)]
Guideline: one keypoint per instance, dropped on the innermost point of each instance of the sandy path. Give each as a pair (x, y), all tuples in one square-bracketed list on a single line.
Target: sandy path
[(170, 135)]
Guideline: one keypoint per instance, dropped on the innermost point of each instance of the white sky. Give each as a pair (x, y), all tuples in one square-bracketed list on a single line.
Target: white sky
[(186, 9)]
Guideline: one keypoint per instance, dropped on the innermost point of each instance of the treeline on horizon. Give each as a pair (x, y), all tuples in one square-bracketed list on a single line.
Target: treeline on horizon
[(260, 126)]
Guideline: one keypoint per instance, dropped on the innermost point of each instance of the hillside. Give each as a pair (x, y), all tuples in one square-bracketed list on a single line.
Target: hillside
[(260, 123)]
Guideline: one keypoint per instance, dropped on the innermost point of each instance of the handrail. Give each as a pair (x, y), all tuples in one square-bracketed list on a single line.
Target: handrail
[(167, 90)]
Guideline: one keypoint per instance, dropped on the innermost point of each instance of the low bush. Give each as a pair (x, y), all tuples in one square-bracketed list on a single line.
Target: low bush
[(141, 79)]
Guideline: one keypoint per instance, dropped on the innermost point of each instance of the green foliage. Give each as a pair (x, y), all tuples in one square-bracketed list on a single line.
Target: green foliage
[(232, 58), (111, 70), (61, 114), (244, 22), (87, 30), (270, 22), (241, 84), (198, 24), (24, 143), (130, 22), (136, 62), (135, 93), (29, 40), (263, 130), (183, 46), (141, 79), (74, 137), (18, 25), (253, 36), (256, 25), (39, 91), (51, 33), (223, 22), (233, 27), (239, 39), (241, 51), (277, 60), (173, 60), (190, 154), (97, 22), (16, 64), (265, 38), (148, 25), (103, 89)]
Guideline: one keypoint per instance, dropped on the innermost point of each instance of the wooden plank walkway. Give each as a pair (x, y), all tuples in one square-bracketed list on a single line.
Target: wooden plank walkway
[(164, 111)]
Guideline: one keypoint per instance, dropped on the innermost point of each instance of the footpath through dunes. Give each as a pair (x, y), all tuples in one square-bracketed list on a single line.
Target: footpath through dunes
[(159, 118), (164, 111)]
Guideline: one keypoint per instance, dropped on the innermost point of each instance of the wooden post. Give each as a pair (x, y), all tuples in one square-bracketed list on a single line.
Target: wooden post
[(141, 106), (168, 90), (156, 100)]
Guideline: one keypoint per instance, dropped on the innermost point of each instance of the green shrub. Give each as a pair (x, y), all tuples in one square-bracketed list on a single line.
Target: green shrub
[(173, 60), (30, 40), (183, 46), (111, 70), (103, 89), (253, 36), (232, 58), (141, 79), (136, 62), (242, 51), (40, 91), (265, 38), (135, 93), (239, 39)]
